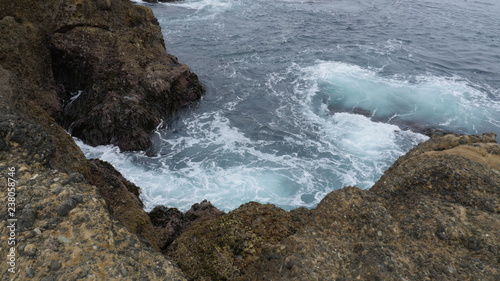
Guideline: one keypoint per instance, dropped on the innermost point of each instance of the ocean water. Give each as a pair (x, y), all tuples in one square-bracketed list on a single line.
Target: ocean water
[(305, 97)]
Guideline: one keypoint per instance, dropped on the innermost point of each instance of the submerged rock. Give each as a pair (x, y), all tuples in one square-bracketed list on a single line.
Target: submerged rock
[(403, 124)]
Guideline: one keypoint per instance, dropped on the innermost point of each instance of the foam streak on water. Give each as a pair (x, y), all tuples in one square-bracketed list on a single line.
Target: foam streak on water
[(448, 103), (304, 97)]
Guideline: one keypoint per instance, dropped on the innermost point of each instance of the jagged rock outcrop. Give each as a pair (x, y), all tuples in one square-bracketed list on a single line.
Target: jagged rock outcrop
[(28, 96), (223, 248), (122, 199), (64, 230), (434, 215), (74, 219), (170, 222), (103, 65)]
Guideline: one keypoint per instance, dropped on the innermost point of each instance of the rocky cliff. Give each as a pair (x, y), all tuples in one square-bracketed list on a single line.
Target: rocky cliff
[(99, 69), (64, 228)]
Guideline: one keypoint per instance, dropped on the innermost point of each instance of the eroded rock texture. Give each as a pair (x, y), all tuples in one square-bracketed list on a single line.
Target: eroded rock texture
[(64, 228), (77, 220), (96, 66), (104, 62)]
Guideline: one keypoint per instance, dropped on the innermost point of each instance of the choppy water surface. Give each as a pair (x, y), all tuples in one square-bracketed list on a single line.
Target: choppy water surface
[(305, 97)]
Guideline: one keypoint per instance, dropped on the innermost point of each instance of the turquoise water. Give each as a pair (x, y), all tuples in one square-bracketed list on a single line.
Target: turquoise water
[(305, 97)]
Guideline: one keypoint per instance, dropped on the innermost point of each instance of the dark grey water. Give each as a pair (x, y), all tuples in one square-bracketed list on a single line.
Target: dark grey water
[(303, 97)]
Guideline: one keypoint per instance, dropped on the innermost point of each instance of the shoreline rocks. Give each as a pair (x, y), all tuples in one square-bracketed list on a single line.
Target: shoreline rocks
[(434, 215), (64, 230), (80, 219), (98, 67)]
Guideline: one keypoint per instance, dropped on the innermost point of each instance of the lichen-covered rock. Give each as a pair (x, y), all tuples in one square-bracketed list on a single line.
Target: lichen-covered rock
[(457, 169), (116, 58), (434, 215), (65, 231), (24, 123), (24, 50), (64, 228), (28, 97)]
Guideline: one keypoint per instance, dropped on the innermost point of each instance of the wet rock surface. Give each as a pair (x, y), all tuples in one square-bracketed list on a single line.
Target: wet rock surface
[(75, 219), (223, 248), (425, 129), (434, 215), (98, 67), (64, 228), (122, 199)]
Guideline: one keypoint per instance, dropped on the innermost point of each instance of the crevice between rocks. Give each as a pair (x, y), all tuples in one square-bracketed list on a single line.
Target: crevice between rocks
[(68, 28)]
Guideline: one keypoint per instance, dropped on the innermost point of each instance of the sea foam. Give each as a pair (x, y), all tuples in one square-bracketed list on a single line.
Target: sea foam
[(448, 103)]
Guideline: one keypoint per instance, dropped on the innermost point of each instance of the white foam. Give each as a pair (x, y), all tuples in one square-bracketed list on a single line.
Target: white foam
[(305, 150), (208, 8), (297, 159), (448, 102), (75, 96)]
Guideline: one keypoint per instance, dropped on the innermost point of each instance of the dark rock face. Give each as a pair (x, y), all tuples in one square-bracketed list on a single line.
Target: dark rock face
[(65, 229), (25, 51), (127, 81), (34, 92), (114, 81), (23, 123), (170, 222), (434, 215)]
